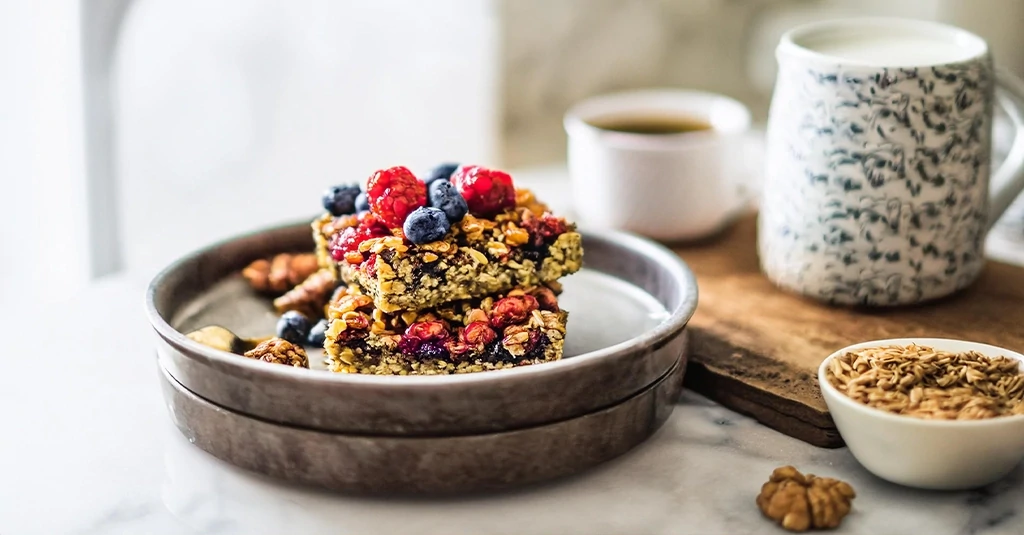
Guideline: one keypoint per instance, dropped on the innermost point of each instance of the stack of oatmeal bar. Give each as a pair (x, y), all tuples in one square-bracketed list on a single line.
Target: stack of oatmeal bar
[(454, 273)]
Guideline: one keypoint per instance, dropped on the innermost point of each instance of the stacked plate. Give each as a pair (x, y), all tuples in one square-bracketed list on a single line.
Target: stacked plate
[(625, 355)]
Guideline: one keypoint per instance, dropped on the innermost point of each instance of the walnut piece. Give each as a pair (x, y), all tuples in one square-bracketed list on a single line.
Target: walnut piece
[(277, 275), (798, 502), (279, 351), (310, 297)]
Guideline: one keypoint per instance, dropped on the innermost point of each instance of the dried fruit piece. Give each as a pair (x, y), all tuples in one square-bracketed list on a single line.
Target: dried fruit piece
[(425, 339), (544, 229), (546, 299), (479, 333), (798, 502), (394, 193), (487, 191), (512, 309), (280, 351), (282, 272), (428, 330)]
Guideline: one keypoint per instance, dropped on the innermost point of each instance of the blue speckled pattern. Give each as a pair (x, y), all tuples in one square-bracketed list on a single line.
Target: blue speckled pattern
[(876, 183)]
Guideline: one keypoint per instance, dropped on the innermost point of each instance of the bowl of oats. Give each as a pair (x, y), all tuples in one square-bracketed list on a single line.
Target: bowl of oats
[(929, 413)]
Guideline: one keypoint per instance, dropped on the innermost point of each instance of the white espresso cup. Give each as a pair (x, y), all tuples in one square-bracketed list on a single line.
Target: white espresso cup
[(879, 188), (667, 186)]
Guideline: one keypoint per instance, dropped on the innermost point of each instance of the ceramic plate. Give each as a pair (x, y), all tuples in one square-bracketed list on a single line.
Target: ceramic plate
[(628, 309)]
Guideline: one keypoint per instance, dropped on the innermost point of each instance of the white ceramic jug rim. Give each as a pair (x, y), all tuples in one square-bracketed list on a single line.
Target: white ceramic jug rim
[(726, 116), (789, 45)]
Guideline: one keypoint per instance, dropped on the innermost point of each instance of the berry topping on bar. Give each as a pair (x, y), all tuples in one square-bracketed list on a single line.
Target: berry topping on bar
[(446, 198), (362, 203), (341, 200), (513, 309), (458, 337), (425, 225), (487, 191), (394, 193), (441, 172), (345, 244), (468, 237)]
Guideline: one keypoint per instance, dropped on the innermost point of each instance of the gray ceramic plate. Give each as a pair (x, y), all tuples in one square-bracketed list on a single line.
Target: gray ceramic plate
[(627, 308), (419, 465)]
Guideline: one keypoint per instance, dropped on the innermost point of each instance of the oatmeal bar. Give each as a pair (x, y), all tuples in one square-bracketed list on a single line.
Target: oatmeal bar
[(523, 245), (522, 327)]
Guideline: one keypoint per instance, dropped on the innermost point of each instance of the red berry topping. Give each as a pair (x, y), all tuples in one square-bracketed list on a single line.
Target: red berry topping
[(394, 193), (345, 244), (428, 330), (425, 339), (487, 191), (478, 334), (370, 267), (512, 310)]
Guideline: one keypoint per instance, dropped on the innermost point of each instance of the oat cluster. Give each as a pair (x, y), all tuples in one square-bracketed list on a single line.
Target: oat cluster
[(799, 502), (923, 382)]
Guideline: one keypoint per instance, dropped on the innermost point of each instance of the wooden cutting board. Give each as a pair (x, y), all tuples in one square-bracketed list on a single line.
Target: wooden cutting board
[(756, 348)]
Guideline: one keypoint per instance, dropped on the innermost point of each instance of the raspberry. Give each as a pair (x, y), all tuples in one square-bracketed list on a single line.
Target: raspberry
[(512, 310), (487, 191), (345, 243), (370, 267), (393, 194)]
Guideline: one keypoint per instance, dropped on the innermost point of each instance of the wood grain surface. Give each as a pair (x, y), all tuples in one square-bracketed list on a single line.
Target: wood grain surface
[(756, 348)]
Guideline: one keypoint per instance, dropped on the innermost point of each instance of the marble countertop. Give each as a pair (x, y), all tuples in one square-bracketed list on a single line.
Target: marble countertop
[(88, 448)]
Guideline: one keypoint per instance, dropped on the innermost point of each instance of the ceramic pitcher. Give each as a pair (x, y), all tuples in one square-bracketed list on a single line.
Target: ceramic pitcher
[(877, 181)]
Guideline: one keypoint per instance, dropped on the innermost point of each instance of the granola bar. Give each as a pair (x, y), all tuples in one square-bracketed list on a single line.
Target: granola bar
[(522, 327), (523, 245)]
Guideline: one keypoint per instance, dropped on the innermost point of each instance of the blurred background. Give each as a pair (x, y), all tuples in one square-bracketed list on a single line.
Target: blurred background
[(133, 131)]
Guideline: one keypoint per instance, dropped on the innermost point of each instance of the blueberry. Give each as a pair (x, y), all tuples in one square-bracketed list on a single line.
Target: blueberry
[(446, 198), (341, 200), (425, 225), (293, 326), (362, 203), (441, 172), (317, 334)]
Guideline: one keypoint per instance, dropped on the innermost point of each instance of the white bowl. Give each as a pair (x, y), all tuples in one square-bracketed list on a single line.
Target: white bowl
[(927, 454)]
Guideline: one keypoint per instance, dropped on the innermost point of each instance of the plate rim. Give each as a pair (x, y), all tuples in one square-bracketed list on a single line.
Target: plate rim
[(677, 320)]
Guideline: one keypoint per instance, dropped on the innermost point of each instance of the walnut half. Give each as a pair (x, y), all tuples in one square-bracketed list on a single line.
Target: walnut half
[(798, 502), (279, 351)]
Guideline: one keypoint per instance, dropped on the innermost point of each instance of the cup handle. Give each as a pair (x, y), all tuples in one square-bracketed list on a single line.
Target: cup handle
[(1008, 181)]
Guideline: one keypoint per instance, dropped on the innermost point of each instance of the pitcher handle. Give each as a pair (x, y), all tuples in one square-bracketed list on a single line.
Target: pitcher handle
[(1008, 181)]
